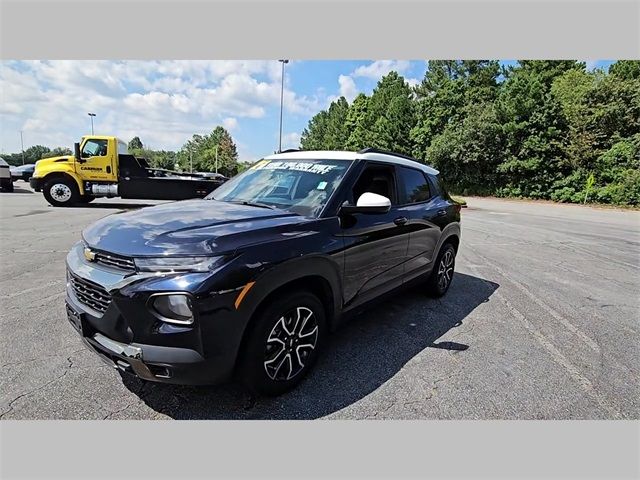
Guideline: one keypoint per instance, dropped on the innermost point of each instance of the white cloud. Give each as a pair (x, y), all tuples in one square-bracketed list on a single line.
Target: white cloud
[(163, 102), (348, 87), (290, 140), (230, 123), (380, 68)]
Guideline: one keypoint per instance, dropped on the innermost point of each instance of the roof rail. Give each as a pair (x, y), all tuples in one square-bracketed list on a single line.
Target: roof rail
[(385, 152), (290, 150)]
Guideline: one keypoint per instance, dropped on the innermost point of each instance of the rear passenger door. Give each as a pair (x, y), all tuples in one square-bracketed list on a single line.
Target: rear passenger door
[(426, 212)]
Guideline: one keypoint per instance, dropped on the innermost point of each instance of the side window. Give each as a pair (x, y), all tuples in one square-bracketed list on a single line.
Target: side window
[(94, 148), (416, 186), (435, 185), (378, 179)]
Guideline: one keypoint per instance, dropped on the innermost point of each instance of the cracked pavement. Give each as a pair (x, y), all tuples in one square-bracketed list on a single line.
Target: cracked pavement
[(542, 322)]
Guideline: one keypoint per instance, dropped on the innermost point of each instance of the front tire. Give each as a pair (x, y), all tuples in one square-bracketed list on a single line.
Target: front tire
[(283, 344), (442, 274), (61, 192)]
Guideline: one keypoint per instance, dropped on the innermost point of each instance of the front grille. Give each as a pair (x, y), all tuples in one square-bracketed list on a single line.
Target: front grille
[(90, 294), (115, 261)]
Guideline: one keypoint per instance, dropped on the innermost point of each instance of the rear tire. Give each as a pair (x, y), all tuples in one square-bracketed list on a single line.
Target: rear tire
[(283, 344), (7, 186), (61, 192), (441, 276)]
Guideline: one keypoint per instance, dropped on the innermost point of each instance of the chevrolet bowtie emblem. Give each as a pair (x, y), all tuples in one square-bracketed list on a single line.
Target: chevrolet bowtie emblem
[(89, 254)]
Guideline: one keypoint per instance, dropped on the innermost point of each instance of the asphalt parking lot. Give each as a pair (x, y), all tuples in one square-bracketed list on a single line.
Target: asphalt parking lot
[(542, 321)]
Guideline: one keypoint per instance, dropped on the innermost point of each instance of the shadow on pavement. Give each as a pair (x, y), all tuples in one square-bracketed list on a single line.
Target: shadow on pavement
[(361, 356), (20, 190)]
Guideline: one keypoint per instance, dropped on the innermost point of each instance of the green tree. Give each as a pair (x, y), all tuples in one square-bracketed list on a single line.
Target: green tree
[(468, 153), (535, 130), (448, 87), (571, 90), (135, 144), (58, 152), (313, 137), (336, 133), (389, 115), (327, 129), (208, 151), (355, 123), (36, 152), (626, 69)]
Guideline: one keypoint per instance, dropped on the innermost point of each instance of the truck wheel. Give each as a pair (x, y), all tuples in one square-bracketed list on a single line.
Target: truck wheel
[(283, 344), (442, 273), (61, 192), (8, 186)]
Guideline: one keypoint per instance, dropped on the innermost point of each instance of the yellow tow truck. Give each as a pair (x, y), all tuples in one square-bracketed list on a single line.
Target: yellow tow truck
[(102, 167)]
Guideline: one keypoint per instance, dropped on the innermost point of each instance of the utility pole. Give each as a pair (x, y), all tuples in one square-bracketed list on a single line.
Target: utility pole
[(216, 158), (283, 61), (22, 146), (91, 115), (190, 160)]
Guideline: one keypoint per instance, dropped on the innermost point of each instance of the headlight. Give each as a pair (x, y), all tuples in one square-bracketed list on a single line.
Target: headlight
[(176, 264), (173, 308)]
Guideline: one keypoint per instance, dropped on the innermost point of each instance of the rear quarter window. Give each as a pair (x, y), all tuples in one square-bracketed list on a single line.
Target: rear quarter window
[(415, 185), (438, 186)]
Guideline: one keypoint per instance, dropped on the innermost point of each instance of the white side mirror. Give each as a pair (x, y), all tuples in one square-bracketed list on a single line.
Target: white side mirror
[(373, 200)]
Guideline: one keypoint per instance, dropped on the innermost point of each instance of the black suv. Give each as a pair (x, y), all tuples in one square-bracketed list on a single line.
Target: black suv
[(252, 278)]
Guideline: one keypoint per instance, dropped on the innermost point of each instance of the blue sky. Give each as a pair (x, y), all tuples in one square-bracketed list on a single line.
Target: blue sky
[(165, 102)]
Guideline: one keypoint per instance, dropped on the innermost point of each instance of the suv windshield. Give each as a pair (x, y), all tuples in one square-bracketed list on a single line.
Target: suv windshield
[(301, 186)]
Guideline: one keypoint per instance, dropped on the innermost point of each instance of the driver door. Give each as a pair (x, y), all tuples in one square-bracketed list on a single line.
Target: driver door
[(96, 161), (376, 245)]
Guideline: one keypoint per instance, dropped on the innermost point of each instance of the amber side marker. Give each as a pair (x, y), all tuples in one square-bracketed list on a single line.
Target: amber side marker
[(243, 292)]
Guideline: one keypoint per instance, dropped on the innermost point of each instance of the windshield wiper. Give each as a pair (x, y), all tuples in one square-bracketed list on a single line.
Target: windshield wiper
[(254, 204)]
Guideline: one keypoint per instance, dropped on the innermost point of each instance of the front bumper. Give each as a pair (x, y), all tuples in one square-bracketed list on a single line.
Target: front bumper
[(35, 183), (130, 338)]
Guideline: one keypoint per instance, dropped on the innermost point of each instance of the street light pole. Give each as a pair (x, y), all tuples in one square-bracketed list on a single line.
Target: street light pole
[(283, 61), (22, 146), (91, 115), (216, 158)]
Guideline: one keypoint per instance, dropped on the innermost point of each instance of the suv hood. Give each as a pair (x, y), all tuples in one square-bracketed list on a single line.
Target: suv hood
[(190, 227)]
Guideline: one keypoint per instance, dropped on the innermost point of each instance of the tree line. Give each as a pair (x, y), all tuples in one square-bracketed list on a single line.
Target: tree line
[(539, 129), (202, 153), (35, 153)]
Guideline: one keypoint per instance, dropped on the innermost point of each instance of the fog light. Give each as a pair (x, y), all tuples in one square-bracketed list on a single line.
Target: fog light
[(174, 308)]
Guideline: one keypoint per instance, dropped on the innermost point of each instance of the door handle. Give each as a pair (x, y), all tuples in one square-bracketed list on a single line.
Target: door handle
[(401, 221), (442, 213)]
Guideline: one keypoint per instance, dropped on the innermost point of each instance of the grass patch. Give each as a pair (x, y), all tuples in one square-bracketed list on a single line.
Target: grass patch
[(459, 200)]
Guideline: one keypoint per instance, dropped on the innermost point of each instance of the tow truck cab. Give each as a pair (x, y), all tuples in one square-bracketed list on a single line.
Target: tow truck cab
[(102, 166)]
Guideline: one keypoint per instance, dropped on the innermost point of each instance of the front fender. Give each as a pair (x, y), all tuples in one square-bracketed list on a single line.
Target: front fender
[(291, 271), (66, 174), (57, 166)]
